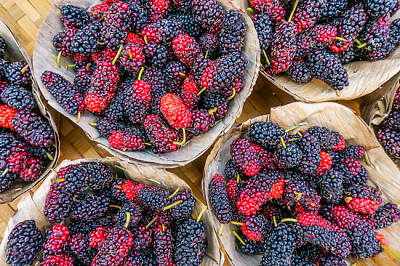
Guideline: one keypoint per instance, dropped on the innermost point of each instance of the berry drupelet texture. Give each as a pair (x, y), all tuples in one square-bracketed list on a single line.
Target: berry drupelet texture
[(209, 14), (24, 243), (162, 137), (115, 247), (18, 97), (219, 199), (261, 188), (247, 156), (326, 67), (363, 199), (283, 47), (190, 243), (33, 128), (130, 139), (65, 93), (89, 207), (299, 71), (280, 247), (266, 134)]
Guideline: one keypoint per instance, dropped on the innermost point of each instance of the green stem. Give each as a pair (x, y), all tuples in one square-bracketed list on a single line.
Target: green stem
[(251, 10), (115, 206), (391, 252), (141, 73), (118, 54), (128, 219), (238, 237), (283, 143), (341, 39), (367, 159), (172, 205), (296, 126), (173, 194), (220, 230), (275, 223), (294, 9), (266, 57), (184, 138), (49, 156), (289, 220), (5, 172), (237, 223), (93, 124), (200, 92), (201, 213), (152, 221), (233, 95)]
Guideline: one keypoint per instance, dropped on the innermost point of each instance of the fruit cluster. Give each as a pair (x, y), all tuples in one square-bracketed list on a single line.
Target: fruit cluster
[(26, 139), (102, 220), (314, 38), (389, 132), (300, 199), (156, 73)]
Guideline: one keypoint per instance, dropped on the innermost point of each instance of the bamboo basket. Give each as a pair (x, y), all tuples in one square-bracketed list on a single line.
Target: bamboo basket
[(31, 207), (192, 150), (15, 51), (382, 172), (364, 78)]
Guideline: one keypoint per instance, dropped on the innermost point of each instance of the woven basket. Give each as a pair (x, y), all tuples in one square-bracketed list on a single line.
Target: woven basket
[(31, 207), (382, 172), (15, 51), (196, 147)]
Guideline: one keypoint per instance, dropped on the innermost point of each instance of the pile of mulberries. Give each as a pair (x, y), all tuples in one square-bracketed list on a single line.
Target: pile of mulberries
[(299, 198), (155, 73), (27, 140), (98, 219), (315, 38), (389, 131)]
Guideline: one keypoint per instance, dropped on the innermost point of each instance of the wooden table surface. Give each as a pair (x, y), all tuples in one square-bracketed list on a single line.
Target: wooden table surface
[(24, 18)]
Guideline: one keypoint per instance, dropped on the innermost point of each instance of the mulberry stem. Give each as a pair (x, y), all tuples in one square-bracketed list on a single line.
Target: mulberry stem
[(152, 221), (200, 92), (233, 95), (118, 54), (128, 219), (266, 57), (173, 204), (173, 194), (140, 73), (184, 138), (289, 220), (49, 156), (391, 252), (201, 213), (237, 223), (220, 230), (238, 237), (251, 10), (5, 172), (294, 9), (58, 59)]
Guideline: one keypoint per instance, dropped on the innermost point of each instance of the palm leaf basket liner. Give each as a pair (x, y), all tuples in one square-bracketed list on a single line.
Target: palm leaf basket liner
[(364, 78), (15, 51), (382, 172), (31, 207), (45, 59)]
